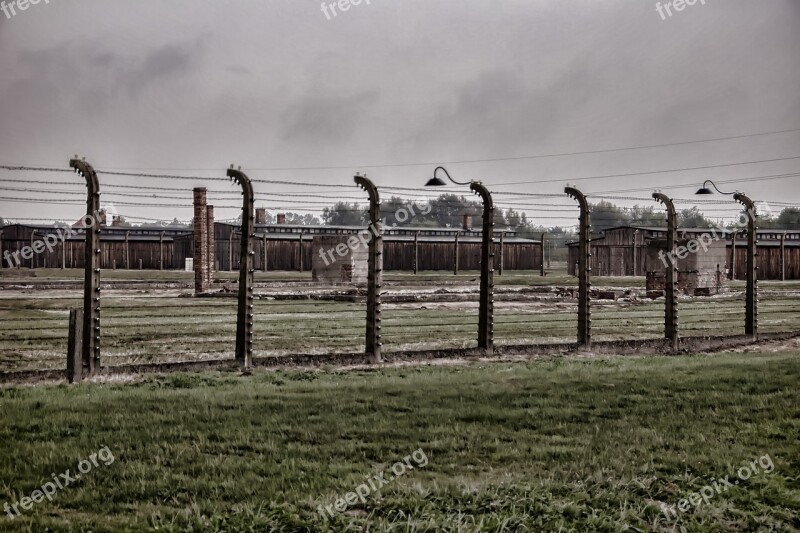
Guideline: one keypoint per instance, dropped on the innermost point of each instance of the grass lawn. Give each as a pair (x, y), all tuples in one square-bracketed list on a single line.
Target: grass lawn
[(556, 444)]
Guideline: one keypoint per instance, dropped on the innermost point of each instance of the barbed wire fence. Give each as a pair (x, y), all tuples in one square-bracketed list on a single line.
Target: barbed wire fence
[(167, 328)]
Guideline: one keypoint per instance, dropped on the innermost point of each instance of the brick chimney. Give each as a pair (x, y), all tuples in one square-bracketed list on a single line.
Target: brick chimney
[(261, 215), (103, 219), (281, 218), (201, 275), (211, 243), (467, 222)]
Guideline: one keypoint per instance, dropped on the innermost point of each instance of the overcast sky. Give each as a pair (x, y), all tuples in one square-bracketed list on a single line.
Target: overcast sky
[(191, 86)]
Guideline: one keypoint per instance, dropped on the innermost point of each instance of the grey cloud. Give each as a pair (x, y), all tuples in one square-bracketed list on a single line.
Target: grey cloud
[(321, 117)]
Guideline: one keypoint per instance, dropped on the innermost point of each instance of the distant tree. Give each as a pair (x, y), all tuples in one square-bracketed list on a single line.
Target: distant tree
[(693, 218), (448, 210), (298, 219), (790, 217), (647, 216), (344, 214), (606, 215)]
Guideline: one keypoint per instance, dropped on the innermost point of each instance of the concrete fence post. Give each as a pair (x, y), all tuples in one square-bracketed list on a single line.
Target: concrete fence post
[(584, 269), (244, 322), (373, 342), (90, 353), (486, 299), (671, 287), (751, 292)]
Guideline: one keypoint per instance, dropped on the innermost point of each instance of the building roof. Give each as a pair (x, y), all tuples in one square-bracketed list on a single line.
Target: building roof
[(766, 237)]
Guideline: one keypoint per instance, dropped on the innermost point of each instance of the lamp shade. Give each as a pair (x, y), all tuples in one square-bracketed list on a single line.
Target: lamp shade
[(435, 182)]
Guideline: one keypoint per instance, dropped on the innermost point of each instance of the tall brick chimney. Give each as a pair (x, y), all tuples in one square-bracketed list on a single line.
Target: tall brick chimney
[(261, 215), (467, 222), (201, 276), (103, 217), (281, 218), (211, 240)]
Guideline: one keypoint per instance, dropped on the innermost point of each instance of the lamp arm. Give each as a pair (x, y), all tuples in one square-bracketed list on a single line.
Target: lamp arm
[(717, 188), (448, 176)]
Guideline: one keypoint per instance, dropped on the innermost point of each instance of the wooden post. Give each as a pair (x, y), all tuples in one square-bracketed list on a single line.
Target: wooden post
[(455, 255), (161, 251), (502, 254), (783, 256), (75, 346), (732, 274), (2, 264), (416, 252), (33, 255), (549, 252), (127, 251), (300, 253), (64, 251), (230, 251), (542, 272), (635, 252), (264, 250)]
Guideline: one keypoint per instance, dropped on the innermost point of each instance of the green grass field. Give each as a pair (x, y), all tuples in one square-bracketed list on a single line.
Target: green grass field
[(545, 445)]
